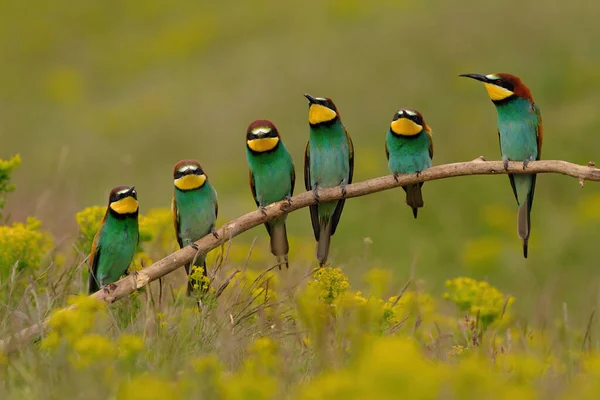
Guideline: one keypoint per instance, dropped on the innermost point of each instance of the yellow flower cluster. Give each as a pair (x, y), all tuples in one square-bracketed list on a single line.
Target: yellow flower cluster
[(410, 304), (149, 387), (6, 169), (140, 260), (157, 227), (88, 221), (261, 288), (72, 323), (92, 348), (72, 329), (129, 346), (22, 246), (256, 378), (330, 283), (478, 299), (198, 279), (394, 367)]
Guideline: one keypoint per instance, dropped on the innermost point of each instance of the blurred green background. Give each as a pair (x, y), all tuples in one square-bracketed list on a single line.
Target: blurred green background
[(99, 94)]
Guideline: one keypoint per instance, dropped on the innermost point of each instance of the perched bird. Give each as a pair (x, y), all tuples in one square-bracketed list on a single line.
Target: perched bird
[(328, 161), (272, 178), (195, 210), (409, 150), (115, 242), (520, 132)]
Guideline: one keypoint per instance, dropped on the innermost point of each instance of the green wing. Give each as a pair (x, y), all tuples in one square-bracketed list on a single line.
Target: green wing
[(176, 221), (94, 259), (540, 130), (335, 218), (314, 212)]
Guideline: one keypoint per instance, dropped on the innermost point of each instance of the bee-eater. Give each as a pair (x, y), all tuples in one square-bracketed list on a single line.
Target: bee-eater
[(195, 210), (328, 162), (115, 242), (409, 150), (520, 132), (272, 178)]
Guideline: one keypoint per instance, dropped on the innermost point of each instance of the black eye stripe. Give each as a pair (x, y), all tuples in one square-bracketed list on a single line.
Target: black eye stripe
[(271, 134), (415, 118), (505, 84), (179, 174)]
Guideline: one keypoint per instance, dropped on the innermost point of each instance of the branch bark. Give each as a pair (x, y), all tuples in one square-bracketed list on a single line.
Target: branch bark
[(170, 263)]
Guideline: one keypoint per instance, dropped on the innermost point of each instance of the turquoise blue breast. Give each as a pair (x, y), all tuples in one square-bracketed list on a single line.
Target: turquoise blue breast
[(517, 126), (196, 212), (408, 155)]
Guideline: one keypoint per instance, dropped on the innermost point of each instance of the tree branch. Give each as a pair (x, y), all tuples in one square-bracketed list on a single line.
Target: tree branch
[(170, 263)]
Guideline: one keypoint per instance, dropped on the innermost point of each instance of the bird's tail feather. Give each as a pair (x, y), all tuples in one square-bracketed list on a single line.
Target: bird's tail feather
[(279, 244), (414, 197), (93, 286), (324, 240), (523, 186), (523, 228)]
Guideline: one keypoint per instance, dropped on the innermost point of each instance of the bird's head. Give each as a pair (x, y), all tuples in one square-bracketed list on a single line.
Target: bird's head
[(408, 122), (262, 136), (188, 175), (501, 86), (123, 200), (321, 110)]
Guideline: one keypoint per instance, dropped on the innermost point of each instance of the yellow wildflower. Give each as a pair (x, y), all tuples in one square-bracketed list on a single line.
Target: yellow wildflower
[(456, 352), (331, 283), (129, 345), (22, 245), (256, 379), (208, 364), (148, 387), (198, 279), (410, 304), (157, 226), (86, 303), (72, 323), (88, 221), (140, 260), (477, 298), (6, 169), (92, 348)]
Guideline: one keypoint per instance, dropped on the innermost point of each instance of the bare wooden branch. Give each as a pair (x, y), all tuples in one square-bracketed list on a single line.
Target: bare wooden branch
[(170, 263)]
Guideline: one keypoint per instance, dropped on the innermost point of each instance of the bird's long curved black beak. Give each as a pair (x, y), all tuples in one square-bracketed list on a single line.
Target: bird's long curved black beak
[(131, 190), (478, 77), (310, 98)]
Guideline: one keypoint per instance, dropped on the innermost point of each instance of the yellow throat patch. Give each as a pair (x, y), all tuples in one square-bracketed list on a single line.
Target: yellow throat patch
[(262, 145), (497, 93), (318, 113), (128, 205), (189, 182), (405, 127)]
